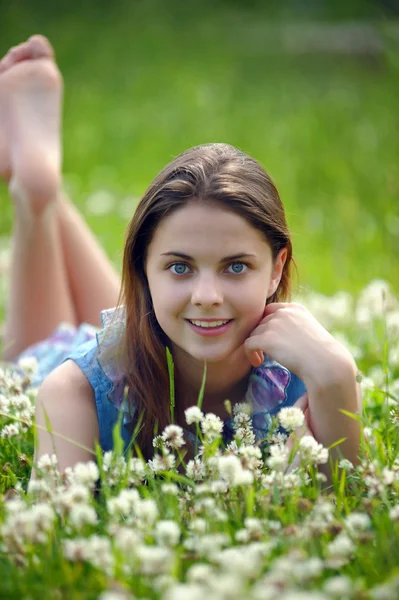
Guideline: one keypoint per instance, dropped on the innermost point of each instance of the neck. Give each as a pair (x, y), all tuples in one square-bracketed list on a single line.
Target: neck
[(224, 380)]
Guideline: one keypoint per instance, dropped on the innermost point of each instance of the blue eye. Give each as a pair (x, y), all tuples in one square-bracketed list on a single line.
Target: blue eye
[(239, 264), (179, 266)]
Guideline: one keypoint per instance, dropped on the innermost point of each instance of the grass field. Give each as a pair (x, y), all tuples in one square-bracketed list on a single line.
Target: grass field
[(144, 81)]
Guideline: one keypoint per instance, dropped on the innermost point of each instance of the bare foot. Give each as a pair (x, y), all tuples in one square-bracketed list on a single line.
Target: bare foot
[(30, 107)]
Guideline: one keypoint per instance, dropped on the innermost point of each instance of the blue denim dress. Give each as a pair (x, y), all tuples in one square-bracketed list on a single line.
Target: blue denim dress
[(271, 386)]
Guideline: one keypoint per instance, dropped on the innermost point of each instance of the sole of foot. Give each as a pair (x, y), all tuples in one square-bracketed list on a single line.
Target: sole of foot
[(30, 119)]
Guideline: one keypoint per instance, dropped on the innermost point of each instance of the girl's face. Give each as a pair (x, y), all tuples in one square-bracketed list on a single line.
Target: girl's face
[(205, 262)]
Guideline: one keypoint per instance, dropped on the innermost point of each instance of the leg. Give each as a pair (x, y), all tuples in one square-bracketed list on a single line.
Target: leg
[(56, 261), (93, 281), (39, 297), (30, 101)]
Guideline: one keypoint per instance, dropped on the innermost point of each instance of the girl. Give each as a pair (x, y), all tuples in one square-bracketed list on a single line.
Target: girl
[(206, 273)]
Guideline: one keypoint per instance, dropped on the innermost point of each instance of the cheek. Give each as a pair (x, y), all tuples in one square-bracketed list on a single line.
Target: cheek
[(168, 302)]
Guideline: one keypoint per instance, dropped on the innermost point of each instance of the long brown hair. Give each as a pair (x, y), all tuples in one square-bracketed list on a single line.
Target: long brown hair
[(217, 173)]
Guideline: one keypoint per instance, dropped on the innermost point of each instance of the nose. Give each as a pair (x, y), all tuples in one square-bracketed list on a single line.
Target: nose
[(206, 291)]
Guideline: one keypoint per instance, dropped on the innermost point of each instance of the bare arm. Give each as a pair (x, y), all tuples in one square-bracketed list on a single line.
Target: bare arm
[(67, 398)]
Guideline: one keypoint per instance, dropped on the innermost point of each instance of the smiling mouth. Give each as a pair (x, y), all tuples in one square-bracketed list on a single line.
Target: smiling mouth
[(211, 324)]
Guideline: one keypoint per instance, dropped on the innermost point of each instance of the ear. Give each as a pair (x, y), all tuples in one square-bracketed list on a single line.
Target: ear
[(277, 271)]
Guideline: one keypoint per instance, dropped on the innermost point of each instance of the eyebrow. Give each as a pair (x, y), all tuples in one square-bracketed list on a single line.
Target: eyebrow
[(225, 259)]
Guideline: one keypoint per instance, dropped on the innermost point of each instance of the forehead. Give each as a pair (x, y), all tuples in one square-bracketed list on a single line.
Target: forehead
[(198, 228)]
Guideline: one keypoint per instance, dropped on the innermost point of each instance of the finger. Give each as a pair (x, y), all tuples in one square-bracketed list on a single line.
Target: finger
[(273, 307)]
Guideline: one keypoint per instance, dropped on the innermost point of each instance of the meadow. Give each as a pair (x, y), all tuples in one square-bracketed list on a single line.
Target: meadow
[(143, 82)]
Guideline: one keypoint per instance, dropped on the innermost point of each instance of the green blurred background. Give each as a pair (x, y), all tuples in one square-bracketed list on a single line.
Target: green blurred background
[(311, 89)]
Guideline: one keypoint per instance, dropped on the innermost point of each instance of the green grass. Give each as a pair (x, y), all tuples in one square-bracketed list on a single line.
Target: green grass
[(144, 81)]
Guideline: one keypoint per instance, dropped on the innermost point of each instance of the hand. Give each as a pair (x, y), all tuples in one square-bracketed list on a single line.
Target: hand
[(290, 335)]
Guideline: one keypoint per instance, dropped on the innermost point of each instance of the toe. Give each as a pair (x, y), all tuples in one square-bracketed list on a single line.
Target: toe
[(40, 47), (14, 55)]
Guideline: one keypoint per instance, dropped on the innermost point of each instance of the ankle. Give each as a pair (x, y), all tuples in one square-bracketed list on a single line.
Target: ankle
[(35, 200)]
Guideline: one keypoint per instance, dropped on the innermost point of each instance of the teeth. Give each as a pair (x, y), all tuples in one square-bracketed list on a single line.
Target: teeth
[(209, 324)]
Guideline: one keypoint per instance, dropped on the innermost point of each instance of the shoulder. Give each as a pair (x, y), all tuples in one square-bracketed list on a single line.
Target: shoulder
[(67, 377), (66, 417)]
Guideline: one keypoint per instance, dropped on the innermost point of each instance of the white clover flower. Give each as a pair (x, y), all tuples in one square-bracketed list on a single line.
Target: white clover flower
[(291, 417), (278, 458), (227, 585), (31, 525), (146, 511), (394, 513), (81, 515), (251, 457), (357, 522), (212, 426), (242, 536), (345, 464), (199, 573), (114, 467), (4, 405), (368, 434), (385, 591), (193, 415), (205, 504), (100, 554), (377, 297), (170, 488), (218, 487), (339, 586), (242, 407), (65, 498), (162, 463), (39, 488), (198, 525), (163, 582), (76, 550), (230, 469), (220, 516), (253, 525), (22, 403), (279, 438), (388, 476), (242, 419), (96, 549), (202, 488), (158, 442), (29, 365), (173, 436), (136, 470), (303, 595), (47, 463), (306, 570), (154, 560), (392, 324), (127, 540), (246, 435), (185, 591), (10, 431), (244, 562), (85, 473), (196, 469), (209, 545), (340, 550), (311, 451), (113, 595), (167, 533)]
